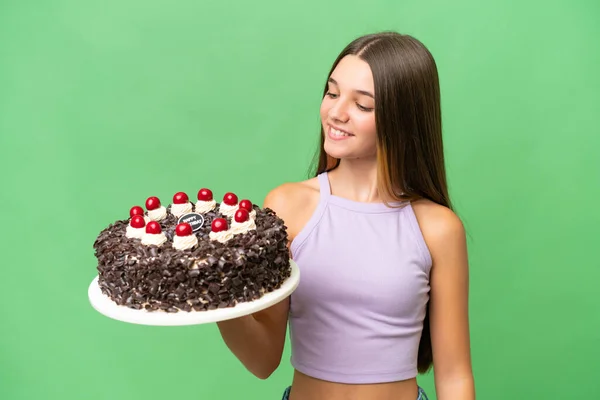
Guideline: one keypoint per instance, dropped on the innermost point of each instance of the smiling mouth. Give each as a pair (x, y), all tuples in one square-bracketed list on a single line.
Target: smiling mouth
[(336, 133)]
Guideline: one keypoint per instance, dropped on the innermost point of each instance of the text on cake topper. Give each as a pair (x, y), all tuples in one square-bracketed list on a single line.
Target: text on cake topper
[(195, 220)]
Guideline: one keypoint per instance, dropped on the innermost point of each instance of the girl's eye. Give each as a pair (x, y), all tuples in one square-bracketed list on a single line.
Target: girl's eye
[(360, 107)]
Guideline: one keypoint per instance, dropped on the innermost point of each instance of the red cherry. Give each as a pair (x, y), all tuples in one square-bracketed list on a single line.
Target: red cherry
[(246, 205), (152, 203), (205, 194), (183, 229), (180, 198), (219, 224), (241, 215), (153, 227), (136, 210), (230, 199), (137, 221)]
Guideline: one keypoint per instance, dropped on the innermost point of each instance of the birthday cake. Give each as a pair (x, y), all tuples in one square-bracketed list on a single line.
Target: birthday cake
[(192, 256)]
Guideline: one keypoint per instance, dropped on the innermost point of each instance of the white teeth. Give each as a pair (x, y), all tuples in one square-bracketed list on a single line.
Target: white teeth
[(335, 132)]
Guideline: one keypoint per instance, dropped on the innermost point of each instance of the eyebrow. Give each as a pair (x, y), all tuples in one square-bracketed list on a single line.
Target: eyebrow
[(331, 80)]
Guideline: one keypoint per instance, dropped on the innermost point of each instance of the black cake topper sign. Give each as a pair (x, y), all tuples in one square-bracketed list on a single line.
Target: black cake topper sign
[(195, 220)]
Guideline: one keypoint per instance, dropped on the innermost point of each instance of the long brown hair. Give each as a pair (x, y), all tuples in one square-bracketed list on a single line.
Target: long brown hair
[(410, 156)]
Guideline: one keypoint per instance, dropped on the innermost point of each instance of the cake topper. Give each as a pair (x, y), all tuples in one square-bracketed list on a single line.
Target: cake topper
[(242, 222), (156, 211), (180, 198), (154, 234), (205, 202), (229, 205), (205, 194), (184, 237), (219, 225), (246, 205), (181, 204), (137, 221), (241, 215), (136, 210), (152, 203), (194, 220), (153, 228), (135, 229), (183, 229), (220, 230), (230, 199)]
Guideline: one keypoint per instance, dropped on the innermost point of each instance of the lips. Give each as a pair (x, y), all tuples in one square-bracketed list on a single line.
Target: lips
[(338, 134)]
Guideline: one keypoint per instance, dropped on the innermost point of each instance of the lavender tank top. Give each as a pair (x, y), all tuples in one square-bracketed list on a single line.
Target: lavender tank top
[(357, 314)]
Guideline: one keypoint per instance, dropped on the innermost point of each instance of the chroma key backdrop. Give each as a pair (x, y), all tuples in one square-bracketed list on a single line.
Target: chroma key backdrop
[(106, 103)]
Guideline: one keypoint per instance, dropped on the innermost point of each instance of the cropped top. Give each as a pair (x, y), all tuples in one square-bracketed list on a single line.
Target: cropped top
[(357, 313)]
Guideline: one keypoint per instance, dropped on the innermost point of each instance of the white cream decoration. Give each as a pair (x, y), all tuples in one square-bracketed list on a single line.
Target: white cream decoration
[(154, 239), (205, 206), (179, 209), (185, 242), (242, 227), (135, 233), (158, 214), (228, 210), (222, 236)]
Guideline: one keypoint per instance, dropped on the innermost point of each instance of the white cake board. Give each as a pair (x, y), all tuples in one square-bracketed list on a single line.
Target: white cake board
[(104, 305)]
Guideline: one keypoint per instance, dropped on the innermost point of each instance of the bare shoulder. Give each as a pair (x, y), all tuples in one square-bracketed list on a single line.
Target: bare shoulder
[(289, 194), (294, 203), (437, 219), (442, 229), (449, 296)]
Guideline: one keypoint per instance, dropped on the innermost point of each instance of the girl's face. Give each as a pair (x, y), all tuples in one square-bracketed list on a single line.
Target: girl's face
[(348, 111)]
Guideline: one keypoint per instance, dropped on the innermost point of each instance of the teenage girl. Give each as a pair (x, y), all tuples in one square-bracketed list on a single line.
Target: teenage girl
[(383, 291)]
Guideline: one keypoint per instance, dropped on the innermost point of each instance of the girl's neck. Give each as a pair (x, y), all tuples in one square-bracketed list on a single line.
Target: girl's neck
[(355, 180)]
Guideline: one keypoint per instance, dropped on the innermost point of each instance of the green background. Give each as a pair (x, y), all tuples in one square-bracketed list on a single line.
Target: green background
[(104, 103)]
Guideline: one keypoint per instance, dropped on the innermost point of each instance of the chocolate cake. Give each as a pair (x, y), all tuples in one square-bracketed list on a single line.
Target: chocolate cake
[(192, 257)]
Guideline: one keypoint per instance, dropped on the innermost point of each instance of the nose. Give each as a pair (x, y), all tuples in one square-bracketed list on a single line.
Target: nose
[(338, 111)]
